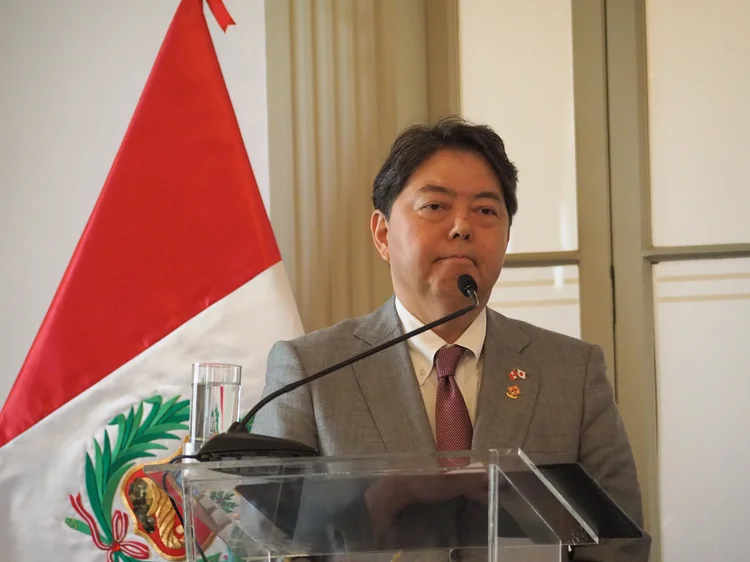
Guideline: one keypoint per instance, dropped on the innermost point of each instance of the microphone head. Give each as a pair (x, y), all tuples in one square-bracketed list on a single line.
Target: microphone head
[(467, 285)]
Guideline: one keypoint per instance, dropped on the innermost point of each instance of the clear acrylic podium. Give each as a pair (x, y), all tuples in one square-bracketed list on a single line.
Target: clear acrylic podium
[(493, 506)]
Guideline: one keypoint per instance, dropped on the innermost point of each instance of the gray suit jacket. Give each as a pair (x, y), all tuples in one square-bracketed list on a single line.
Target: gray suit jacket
[(566, 411)]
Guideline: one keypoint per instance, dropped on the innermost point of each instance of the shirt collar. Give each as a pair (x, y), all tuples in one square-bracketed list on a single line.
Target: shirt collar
[(427, 344)]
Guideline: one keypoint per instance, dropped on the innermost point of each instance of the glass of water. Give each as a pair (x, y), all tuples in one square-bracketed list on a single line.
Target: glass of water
[(215, 403)]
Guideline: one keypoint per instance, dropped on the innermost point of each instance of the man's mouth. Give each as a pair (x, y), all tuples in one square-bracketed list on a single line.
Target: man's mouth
[(457, 257)]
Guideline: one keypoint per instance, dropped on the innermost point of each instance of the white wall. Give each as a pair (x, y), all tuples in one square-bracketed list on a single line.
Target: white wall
[(71, 74), (698, 92)]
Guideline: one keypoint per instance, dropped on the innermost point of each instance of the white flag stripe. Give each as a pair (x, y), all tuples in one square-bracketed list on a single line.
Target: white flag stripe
[(45, 464)]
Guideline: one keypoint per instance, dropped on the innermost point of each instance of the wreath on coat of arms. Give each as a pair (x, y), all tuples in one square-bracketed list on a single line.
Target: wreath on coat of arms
[(112, 467)]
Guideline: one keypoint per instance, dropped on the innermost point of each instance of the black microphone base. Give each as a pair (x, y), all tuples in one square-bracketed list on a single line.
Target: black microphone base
[(235, 445)]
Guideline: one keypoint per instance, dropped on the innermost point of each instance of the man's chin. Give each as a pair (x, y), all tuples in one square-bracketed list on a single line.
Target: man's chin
[(450, 297), (448, 281), (449, 271)]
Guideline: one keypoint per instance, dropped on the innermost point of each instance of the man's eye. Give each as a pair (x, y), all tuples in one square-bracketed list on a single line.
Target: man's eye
[(488, 211), (433, 206)]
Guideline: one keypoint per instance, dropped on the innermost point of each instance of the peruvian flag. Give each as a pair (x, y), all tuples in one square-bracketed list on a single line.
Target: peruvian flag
[(177, 264)]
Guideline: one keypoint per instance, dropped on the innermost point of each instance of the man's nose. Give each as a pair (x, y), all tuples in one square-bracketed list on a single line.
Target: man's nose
[(461, 228)]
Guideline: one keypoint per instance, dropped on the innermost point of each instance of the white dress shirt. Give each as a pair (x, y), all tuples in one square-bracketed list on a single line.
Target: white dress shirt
[(423, 348)]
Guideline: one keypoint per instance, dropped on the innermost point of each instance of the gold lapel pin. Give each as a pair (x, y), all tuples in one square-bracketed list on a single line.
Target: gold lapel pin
[(513, 391)]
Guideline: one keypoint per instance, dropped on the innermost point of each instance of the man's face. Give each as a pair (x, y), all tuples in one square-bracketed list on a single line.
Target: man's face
[(449, 219)]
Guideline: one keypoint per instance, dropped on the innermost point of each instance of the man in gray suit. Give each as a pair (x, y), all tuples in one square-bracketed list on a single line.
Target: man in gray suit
[(444, 201)]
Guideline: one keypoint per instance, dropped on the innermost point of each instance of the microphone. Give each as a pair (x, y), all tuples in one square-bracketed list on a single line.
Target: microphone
[(468, 287), (237, 442)]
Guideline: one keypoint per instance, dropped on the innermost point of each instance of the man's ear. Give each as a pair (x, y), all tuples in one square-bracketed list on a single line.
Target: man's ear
[(379, 229)]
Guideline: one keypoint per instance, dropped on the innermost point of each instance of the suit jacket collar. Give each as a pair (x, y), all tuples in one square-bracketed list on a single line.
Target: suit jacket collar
[(503, 420), (379, 325), (390, 386)]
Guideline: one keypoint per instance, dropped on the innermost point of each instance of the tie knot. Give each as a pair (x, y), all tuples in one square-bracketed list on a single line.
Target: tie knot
[(447, 359)]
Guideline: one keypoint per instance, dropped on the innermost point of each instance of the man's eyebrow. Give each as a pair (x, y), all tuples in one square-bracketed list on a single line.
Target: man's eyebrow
[(434, 188), (489, 195)]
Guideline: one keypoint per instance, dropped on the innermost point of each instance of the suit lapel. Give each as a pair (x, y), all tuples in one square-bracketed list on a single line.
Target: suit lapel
[(390, 386), (501, 421)]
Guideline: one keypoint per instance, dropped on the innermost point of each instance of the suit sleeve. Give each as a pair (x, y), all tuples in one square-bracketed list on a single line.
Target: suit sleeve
[(290, 416), (606, 454)]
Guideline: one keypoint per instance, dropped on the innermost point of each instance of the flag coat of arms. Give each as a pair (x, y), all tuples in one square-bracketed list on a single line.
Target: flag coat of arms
[(177, 264)]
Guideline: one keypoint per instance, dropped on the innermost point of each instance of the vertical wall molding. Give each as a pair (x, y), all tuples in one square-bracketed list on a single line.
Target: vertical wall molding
[(631, 227), (592, 173), (344, 77), (443, 69)]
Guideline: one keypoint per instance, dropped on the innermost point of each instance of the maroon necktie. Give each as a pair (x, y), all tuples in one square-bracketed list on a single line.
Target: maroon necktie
[(452, 422)]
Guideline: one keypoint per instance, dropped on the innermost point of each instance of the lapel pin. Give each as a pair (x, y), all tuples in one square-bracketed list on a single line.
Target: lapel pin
[(513, 391), (513, 375), (521, 374)]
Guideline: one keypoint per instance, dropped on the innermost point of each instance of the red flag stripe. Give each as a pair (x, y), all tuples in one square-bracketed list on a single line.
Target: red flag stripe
[(179, 225)]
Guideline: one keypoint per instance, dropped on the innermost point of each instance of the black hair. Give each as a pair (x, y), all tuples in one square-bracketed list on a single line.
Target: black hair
[(418, 143)]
